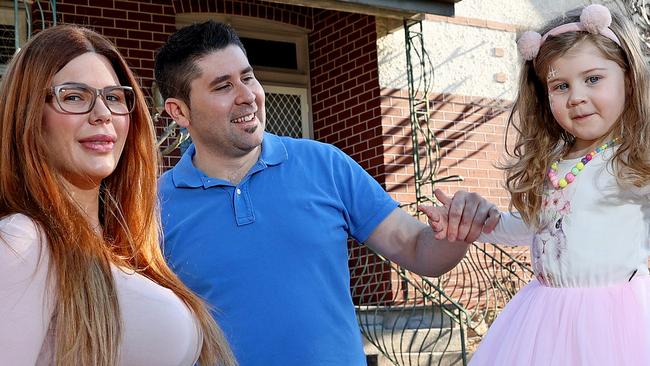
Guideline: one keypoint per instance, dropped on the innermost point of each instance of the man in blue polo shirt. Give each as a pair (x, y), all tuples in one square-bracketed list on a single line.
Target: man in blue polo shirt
[(257, 224)]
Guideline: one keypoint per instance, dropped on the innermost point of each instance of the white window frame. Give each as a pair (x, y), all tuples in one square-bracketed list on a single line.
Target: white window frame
[(307, 131)]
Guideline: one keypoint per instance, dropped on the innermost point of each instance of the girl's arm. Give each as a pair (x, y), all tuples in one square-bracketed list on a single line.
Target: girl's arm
[(509, 230), (26, 298)]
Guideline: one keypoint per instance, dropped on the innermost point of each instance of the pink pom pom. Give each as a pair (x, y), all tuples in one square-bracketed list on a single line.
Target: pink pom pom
[(528, 45), (595, 17)]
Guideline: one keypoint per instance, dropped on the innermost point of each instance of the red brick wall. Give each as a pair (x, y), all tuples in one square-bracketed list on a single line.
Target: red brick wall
[(289, 14), (345, 86), (137, 27), (470, 132)]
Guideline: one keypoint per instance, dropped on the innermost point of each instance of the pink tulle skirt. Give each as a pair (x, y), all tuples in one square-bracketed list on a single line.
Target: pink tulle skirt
[(571, 326)]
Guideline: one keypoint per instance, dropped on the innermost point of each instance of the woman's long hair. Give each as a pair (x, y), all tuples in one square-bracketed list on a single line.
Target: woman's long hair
[(87, 317), (541, 140)]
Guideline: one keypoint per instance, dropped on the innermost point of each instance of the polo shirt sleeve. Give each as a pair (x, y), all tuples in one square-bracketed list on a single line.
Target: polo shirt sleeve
[(366, 203)]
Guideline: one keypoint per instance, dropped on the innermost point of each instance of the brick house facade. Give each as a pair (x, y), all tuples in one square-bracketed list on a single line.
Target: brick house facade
[(349, 108)]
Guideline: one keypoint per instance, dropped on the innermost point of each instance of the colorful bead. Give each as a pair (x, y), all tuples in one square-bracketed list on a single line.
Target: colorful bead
[(571, 176)]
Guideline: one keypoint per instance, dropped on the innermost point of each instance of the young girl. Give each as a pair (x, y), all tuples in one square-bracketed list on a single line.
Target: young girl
[(579, 182), (82, 277)]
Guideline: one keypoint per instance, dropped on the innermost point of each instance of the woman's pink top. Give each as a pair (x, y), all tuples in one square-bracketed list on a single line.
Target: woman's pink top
[(157, 327)]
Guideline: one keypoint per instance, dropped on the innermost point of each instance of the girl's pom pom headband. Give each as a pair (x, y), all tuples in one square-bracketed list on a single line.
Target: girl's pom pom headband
[(594, 19)]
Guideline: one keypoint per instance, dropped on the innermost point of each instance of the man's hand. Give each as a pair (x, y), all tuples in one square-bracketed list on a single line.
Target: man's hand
[(462, 217)]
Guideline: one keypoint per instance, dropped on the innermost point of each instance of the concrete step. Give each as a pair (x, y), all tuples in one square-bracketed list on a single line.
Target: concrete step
[(405, 318), (414, 359), (415, 340), (415, 336)]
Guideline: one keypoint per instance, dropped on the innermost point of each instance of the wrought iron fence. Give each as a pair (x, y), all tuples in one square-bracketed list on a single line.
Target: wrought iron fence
[(414, 320)]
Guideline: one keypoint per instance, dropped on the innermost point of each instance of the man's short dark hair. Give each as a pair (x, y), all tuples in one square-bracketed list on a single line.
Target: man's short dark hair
[(175, 65)]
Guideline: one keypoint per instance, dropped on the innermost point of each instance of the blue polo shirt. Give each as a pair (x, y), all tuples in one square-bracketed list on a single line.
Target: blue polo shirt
[(270, 253)]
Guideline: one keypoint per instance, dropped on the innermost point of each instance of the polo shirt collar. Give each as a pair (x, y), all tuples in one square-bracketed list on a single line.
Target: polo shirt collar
[(186, 175), (273, 150)]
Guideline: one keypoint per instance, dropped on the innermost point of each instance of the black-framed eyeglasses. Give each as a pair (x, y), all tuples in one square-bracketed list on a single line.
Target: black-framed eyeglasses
[(78, 98)]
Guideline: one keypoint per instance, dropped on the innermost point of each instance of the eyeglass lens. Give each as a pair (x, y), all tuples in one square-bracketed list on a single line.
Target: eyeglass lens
[(81, 99)]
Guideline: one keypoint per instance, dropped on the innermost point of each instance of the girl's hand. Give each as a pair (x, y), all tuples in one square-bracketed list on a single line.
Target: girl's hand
[(462, 217), (438, 219)]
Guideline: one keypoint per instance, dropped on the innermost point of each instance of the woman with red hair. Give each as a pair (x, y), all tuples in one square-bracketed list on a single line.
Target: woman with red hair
[(82, 277)]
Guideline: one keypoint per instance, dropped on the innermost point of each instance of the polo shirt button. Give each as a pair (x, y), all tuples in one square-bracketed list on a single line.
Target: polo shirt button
[(238, 191)]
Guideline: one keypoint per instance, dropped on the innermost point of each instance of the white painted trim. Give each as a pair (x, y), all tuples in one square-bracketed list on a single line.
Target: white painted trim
[(302, 93)]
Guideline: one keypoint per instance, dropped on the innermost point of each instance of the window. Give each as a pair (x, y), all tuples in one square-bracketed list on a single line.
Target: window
[(8, 31), (284, 53), (286, 111)]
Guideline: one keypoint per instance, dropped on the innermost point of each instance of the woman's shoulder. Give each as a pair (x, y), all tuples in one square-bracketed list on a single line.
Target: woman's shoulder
[(20, 237), (20, 224), (27, 296)]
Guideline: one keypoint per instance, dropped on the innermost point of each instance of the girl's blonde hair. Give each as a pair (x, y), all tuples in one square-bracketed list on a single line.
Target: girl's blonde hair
[(87, 317), (541, 140)]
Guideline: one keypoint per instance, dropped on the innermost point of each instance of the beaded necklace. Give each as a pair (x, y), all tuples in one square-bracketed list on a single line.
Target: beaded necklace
[(561, 183)]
